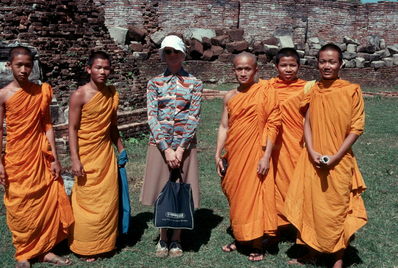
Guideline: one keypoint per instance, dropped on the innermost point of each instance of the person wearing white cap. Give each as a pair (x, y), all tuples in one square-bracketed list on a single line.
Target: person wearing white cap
[(173, 102)]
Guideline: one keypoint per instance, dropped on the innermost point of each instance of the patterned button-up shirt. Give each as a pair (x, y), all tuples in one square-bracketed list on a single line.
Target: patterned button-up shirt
[(173, 102)]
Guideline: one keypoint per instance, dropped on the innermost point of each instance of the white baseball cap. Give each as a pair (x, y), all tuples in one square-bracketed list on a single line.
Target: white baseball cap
[(172, 41)]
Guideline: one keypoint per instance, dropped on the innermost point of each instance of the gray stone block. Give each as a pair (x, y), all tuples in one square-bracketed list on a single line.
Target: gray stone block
[(351, 48), (285, 41), (349, 40), (343, 47), (301, 53), (360, 62), (157, 37), (389, 62), (395, 59), (349, 55), (382, 44), (140, 55), (393, 49), (271, 50), (350, 63), (377, 64), (198, 33), (313, 40), (118, 34)]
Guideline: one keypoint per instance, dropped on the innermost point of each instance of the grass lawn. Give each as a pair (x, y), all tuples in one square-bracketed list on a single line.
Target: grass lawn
[(375, 245)]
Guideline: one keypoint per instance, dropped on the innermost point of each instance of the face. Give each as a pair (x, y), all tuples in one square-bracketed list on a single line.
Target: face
[(329, 64), (21, 67), (99, 71), (245, 70), (287, 68), (173, 58)]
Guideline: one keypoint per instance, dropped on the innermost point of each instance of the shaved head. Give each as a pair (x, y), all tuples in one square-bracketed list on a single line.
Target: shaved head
[(19, 50), (246, 55)]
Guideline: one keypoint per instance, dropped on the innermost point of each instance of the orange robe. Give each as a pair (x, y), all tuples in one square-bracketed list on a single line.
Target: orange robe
[(289, 142), (326, 205), (254, 117), (95, 197), (38, 210)]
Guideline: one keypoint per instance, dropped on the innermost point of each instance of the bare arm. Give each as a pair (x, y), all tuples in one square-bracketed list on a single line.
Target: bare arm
[(55, 165), (315, 156), (2, 170), (116, 139), (75, 109), (222, 135)]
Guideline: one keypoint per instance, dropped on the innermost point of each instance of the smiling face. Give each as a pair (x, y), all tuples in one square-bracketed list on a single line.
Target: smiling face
[(245, 69), (99, 70), (174, 58), (287, 68), (21, 66), (329, 64)]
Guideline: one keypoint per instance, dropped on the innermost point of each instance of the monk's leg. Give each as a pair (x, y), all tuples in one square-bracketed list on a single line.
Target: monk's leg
[(257, 250), (309, 258), (339, 259), (22, 264)]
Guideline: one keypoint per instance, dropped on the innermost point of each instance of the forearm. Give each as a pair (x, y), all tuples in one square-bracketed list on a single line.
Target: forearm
[(268, 149), (307, 133), (116, 139), (221, 138), (73, 144), (51, 139), (347, 144)]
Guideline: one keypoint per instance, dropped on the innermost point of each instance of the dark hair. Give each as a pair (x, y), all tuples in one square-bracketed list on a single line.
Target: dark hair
[(98, 55), (19, 50), (331, 46), (287, 52)]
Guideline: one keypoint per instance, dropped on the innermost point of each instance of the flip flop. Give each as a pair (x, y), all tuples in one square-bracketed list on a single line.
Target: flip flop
[(256, 256), (229, 247)]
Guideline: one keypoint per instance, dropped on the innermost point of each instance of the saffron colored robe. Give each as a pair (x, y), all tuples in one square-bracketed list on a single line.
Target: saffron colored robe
[(38, 210), (325, 205), (95, 196), (253, 118), (289, 142)]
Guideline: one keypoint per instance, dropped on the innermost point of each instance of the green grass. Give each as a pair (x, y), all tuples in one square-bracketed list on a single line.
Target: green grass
[(375, 245)]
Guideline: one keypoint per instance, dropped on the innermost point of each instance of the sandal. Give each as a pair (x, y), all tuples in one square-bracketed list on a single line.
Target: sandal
[(175, 249), (161, 249), (229, 247), (256, 255)]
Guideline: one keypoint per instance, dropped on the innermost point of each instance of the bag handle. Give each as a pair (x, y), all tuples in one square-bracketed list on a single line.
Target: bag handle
[(175, 174)]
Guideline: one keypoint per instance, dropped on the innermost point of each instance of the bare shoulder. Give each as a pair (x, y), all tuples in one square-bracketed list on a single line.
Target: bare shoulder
[(79, 95), (7, 92), (229, 95)]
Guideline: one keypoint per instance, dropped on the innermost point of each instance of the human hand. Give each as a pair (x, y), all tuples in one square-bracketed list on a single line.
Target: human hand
[(219, 166), (316, 158), (56, 169), (77, 168), (263, 166), (171, 158), (2, 175), (179, 153), (328, 161)]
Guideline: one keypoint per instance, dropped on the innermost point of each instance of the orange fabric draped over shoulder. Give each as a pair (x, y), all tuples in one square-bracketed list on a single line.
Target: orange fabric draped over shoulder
[(38, 210), (289, 142), (326, 205), (95, 197), (254, 117)]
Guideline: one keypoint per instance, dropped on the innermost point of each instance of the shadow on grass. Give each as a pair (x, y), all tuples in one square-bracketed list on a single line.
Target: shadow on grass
[(350, 258), (138, 225), (205, 221)]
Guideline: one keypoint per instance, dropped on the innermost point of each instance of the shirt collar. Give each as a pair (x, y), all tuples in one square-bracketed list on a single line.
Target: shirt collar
[(180, 74)]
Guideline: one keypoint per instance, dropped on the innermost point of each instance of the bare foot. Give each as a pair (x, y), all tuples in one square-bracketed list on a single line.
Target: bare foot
[(88, 259), (55, 259), (307, 259), (229, 247), (22, 264)]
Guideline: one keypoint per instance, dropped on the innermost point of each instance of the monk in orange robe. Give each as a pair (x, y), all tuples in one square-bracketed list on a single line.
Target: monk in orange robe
[(289, 143), (92, 129), (38, 210), (324, 199), (248, 129)]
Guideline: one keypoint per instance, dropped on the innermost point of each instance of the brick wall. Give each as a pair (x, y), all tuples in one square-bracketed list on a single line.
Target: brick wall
[(328, 20)]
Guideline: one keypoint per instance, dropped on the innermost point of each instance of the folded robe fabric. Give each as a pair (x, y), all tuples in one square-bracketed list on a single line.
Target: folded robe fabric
[(289, 142), (325, 205), (95, 196), (253, 118), (38, 210), (124, 196)]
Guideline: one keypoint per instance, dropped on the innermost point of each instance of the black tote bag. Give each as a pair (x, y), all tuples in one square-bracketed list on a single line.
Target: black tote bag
[(174, 206)]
